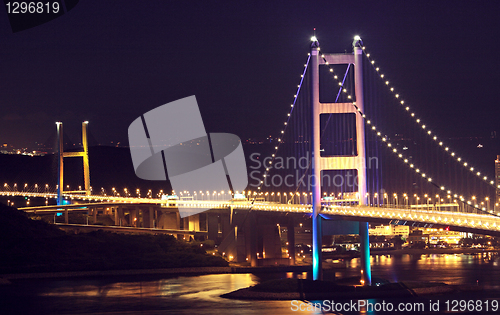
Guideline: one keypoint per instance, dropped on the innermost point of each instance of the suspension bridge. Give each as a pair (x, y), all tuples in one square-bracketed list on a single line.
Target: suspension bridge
[(338, 138)]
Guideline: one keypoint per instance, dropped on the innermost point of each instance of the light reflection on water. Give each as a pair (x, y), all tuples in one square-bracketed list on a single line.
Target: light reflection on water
[(216, 284), (455, 269), (201, 294)]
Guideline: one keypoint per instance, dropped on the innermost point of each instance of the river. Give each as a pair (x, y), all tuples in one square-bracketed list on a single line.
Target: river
[(201, 294)]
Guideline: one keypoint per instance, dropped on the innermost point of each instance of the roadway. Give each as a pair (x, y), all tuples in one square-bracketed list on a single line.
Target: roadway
[(472, 222)]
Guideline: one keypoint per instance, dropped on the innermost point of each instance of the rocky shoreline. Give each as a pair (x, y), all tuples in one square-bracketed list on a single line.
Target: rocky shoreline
[(375, 292)]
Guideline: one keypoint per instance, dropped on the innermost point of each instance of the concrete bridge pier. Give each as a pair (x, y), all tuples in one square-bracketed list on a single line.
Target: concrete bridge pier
[(225, 224), (231, 236), (148, 216), (193, 223), (218, 224), (133, 217), (291, 239), (116, 210), (270, 233), (250, 233), (245, 236), (213, 226), (94, 214), (256, 238), (238, 241), (120, 219), (190, 223), (168, 220)]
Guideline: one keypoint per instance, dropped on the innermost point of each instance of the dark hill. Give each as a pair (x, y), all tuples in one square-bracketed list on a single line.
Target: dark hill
[(17, 226), (28, 245)]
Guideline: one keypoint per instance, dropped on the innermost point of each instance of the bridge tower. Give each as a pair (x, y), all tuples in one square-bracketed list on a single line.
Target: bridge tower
[(497, 184), (84, 154), (355, 162)]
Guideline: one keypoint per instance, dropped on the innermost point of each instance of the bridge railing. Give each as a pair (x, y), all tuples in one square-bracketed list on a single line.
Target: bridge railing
[(466, 220)]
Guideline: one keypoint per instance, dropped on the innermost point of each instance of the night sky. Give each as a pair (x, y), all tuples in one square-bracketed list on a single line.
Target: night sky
[(108, 62)]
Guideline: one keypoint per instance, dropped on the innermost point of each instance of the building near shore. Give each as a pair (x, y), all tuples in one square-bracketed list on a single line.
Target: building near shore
[(390, 230), (417, 239), (444, 236), (434, 237)]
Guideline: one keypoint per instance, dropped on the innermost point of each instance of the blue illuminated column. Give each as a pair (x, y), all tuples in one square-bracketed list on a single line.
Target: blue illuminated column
[(316, 168), (60, 152), (364, 240), (361, 164)]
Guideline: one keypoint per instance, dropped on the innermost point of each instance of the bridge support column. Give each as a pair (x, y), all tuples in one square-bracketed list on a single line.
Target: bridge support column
[(251, 239), (291, 239), (225, 225), (148, 217), (123, 219), (193, 222), (271, 242), (94, 214), (231, 212), (317, 242), (133, 217), (60, 153), (364, 240), (66, 216), (170, 220), (213, 226), (117, 215)]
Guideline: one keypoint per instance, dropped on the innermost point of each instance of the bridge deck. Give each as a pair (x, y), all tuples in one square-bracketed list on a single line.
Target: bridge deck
[(476, 222)]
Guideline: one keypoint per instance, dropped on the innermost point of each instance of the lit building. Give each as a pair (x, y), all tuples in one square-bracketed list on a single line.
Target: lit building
[(443, 236), (401, 230), (434, 237), (388, 230), (381, 230)]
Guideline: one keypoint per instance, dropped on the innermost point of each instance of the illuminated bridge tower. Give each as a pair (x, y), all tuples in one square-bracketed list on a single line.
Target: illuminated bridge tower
[(497, 183), (84, 154), (355, 162)]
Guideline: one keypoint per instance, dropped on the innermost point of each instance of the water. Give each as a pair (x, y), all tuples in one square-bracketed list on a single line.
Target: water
[(201, 294), (457, 269)]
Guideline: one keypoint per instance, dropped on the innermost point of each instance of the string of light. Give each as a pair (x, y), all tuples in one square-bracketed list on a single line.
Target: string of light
[(423, 126), (400, 155)]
